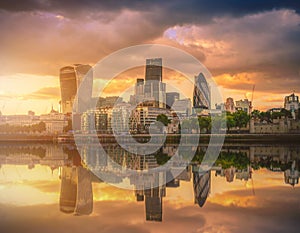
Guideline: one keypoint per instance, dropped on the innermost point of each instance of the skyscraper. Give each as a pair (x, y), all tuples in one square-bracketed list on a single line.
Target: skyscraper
[(71, 78), (154, 88), (170, 98), (201, 97), (154, 69)]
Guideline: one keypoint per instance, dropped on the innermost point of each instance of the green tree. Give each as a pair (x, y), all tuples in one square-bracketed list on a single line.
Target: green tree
[(255, 113), (205, 123), (241, 118), (230, 121), (163, 119)]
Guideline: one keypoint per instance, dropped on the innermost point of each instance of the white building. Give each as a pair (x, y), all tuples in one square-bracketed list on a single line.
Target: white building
[(244, 105), (54, 121), (291, 102)]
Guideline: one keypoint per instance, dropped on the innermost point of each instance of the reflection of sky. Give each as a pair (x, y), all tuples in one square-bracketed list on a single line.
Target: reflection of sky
[(271, 209), (41, 186)]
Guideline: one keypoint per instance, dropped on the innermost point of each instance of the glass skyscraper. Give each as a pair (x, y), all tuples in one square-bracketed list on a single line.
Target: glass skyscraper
[(201, 97), (71, 78)]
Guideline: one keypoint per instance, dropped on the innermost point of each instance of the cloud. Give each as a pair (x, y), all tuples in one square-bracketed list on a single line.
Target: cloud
[(255, 39), (44, 93)]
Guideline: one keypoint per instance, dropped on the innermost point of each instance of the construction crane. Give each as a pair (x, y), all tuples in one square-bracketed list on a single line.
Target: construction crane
[(251, 106)]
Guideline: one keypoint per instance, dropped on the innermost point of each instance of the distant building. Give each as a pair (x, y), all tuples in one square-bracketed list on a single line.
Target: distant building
[(144, 115), (139, 91), (201, 96), (182, 107), (171, 97), (282, 125), (229, 105), (109, 101), (243, 105), (71, 78), (291, 102), (54, 121), (20, 120), (121, 117)]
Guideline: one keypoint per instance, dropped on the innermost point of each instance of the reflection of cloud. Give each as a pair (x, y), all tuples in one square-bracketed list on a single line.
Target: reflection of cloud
[(276, 210)]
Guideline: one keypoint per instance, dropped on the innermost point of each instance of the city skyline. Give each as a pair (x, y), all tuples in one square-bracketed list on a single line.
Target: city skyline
[(44, 99), (240, 46)]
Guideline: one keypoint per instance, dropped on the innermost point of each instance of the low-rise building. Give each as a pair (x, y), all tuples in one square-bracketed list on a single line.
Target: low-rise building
[(54, 121)]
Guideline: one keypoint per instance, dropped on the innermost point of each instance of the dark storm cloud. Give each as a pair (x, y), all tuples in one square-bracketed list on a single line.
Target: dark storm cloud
[(39, 36), (184, 10)]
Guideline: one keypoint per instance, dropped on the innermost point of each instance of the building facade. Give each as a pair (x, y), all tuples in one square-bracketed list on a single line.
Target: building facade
[(291, 102)]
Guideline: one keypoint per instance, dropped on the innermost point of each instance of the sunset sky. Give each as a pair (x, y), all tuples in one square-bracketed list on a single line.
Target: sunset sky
[(241, 43)]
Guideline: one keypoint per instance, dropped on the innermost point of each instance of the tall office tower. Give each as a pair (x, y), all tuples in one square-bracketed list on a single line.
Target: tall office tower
[(139, 90), (201, 97), (154, 69), (71, 78), (201, 185), (170, 98), (154, 88)]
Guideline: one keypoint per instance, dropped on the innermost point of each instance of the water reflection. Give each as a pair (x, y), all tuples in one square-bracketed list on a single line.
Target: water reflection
[(236, 162)]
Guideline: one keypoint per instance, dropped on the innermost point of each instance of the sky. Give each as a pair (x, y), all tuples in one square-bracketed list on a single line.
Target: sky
[(241, 44)]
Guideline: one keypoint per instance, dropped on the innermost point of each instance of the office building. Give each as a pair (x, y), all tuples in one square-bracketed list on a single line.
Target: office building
[(154, 88), (170, 98), (71, 77), (201, 96), (183, 107)]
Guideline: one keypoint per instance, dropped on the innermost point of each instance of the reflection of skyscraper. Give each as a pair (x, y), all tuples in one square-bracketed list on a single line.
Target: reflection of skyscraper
[(71, 78), (76, 194), (201, 97), (153, 204), (201, 185)]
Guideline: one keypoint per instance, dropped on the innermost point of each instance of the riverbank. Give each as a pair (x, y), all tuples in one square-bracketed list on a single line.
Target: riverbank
[(173, 138)]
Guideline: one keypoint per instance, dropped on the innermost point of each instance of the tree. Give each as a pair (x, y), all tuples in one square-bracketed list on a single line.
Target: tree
[(205, 123), (163, 119), (255, 113), (241, 118), (230, 121)]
